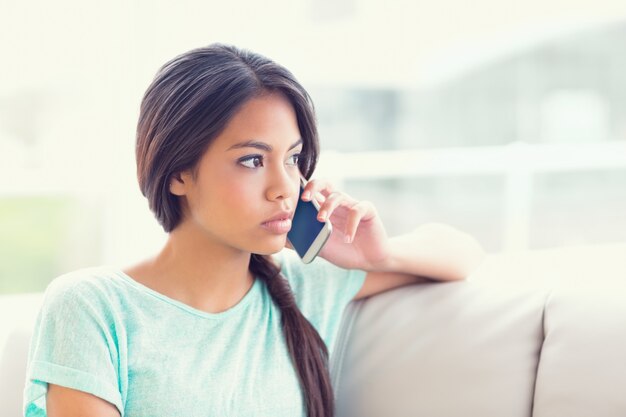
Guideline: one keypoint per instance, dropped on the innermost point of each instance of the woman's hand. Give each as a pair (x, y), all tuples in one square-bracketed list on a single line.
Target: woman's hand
[(359, 239)]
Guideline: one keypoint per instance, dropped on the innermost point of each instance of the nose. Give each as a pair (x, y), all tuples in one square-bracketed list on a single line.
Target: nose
[(283, 183)]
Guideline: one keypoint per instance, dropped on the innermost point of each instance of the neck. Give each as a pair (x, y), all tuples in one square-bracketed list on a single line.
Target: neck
[(198, 271)]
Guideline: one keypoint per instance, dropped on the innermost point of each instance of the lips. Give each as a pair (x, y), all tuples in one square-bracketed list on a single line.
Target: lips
[(279, 223)]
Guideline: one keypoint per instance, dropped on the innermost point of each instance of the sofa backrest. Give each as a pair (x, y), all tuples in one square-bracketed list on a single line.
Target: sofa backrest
[(445, 349)]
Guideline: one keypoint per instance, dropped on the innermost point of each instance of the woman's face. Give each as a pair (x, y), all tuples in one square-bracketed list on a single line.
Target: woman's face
[(247, 177)]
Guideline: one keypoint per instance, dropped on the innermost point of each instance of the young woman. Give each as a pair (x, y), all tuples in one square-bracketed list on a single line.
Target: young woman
[(223, 321)]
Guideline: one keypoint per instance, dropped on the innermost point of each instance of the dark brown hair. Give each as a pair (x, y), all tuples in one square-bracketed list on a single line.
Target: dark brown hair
[(188, 104)]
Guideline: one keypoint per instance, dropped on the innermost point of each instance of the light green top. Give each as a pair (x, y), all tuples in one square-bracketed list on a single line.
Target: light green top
[(101, 332)]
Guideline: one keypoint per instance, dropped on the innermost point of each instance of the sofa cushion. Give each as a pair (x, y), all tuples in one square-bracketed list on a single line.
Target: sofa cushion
[(441, 349), (582, 370)]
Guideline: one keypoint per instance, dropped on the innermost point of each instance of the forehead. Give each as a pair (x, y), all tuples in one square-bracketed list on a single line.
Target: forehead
[(269, 118)]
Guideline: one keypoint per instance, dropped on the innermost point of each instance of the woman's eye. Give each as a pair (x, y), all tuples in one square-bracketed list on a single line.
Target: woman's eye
[(255, 161), (293, 159)]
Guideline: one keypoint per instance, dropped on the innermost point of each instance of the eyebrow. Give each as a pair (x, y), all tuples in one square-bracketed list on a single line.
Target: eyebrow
[(260, 145)]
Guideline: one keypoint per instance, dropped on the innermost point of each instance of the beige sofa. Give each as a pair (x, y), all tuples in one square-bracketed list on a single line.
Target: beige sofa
[(463, 349), (503, 343)]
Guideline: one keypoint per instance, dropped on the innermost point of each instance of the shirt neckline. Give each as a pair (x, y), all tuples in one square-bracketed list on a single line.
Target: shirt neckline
[(186, 307)]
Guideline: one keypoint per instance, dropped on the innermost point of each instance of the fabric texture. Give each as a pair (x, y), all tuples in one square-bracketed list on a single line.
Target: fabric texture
[(101, 332)]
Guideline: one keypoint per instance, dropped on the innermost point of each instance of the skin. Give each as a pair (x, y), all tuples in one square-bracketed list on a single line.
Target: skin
[(238, 186)]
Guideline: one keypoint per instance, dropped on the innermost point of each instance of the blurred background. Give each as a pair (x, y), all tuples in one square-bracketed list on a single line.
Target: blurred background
[(506, 120)]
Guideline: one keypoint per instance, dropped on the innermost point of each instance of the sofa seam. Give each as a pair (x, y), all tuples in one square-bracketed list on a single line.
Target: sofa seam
[(546, 301)]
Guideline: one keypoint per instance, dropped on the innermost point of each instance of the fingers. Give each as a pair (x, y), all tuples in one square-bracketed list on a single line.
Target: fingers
[(319, 189), (333, 200), (358, 212), (330, 200), (324, 194)]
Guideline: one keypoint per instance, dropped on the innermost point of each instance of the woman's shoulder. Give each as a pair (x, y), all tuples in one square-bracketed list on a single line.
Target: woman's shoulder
[(91, 283)]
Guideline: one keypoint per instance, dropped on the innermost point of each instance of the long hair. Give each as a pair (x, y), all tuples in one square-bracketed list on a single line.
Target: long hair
[(187, 105)]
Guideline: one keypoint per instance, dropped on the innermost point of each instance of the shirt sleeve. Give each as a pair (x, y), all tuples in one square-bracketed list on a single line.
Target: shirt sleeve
[(322, 290), (73, 345)]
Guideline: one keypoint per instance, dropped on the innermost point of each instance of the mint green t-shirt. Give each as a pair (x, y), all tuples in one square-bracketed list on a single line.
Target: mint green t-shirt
[(101, 332)]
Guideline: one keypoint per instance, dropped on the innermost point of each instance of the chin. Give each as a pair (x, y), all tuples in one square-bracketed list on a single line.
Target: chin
[(271, 247)]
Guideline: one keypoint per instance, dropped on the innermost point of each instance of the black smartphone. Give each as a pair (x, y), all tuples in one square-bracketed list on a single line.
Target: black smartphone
[(308, 235)]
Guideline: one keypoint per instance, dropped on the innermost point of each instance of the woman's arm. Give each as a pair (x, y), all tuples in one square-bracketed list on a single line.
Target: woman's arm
[(433, 251), (67, 402), (359, 241)]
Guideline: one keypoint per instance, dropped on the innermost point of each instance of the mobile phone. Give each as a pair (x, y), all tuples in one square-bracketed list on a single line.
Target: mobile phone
[(308, 235)]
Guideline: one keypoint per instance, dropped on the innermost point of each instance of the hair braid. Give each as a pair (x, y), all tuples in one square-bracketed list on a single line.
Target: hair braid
[(308, 351)]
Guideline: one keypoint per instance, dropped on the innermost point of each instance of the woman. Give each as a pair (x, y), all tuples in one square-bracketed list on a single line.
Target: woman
[(223, 321)]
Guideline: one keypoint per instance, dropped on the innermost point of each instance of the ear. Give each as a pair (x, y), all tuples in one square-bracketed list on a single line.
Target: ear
[(179, 183)]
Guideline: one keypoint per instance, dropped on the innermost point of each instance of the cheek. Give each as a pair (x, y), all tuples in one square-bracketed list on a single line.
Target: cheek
[(240, 195)]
